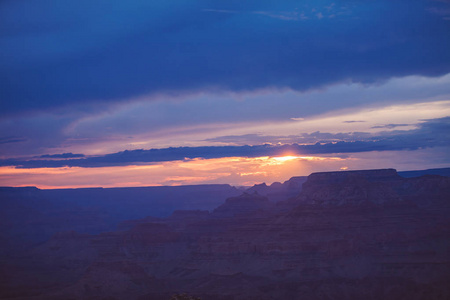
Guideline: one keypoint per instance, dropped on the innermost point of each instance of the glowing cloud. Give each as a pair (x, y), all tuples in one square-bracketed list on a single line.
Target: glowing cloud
[(234, 170)]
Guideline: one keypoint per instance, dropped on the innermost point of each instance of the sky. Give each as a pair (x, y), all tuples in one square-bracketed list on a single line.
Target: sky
[(139, 93)]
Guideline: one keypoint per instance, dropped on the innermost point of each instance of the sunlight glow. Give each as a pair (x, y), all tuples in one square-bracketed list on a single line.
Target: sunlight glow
[(232, 170), (285, 158), (237, 171)]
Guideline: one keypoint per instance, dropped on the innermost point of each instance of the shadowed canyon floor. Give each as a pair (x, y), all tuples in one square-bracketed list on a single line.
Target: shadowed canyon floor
[(343, 235)]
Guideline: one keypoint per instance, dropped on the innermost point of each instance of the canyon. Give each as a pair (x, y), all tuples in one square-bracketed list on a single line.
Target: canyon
[(369, 234)]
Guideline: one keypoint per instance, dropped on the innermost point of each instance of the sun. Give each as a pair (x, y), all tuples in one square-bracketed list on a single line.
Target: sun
[(285, 158)]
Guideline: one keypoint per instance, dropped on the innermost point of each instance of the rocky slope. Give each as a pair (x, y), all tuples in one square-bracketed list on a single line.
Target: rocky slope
[(346, 235)]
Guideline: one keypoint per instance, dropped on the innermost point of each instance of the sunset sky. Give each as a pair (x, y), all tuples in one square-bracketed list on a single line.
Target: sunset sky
[(137, 93)]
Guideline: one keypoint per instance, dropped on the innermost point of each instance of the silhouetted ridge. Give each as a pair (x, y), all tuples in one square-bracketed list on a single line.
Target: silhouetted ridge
[(279, 191), (369, 186), (344, 176), (440, 171)]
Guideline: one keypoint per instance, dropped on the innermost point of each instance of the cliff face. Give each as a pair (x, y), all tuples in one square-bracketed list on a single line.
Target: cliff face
[(372, 186), (347, 235), (337, 188)]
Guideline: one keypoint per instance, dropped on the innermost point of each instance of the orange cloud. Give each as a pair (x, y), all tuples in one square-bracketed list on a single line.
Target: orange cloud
[(233, 170)]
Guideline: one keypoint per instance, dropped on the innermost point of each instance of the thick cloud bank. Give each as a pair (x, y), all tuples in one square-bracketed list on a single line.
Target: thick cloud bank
[(431, 133), (71, 52)]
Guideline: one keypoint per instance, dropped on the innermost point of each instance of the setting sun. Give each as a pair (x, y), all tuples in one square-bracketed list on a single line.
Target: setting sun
[(285, 158)]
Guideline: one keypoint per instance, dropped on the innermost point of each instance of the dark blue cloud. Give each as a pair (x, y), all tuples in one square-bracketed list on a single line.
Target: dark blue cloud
[(431, 133), (304, 138), (11, 139), (390, 126), (63, 155), (52, 54)]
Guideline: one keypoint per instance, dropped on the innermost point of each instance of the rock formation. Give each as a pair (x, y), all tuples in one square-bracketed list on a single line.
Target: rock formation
[(346, 235), (279, 191)]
